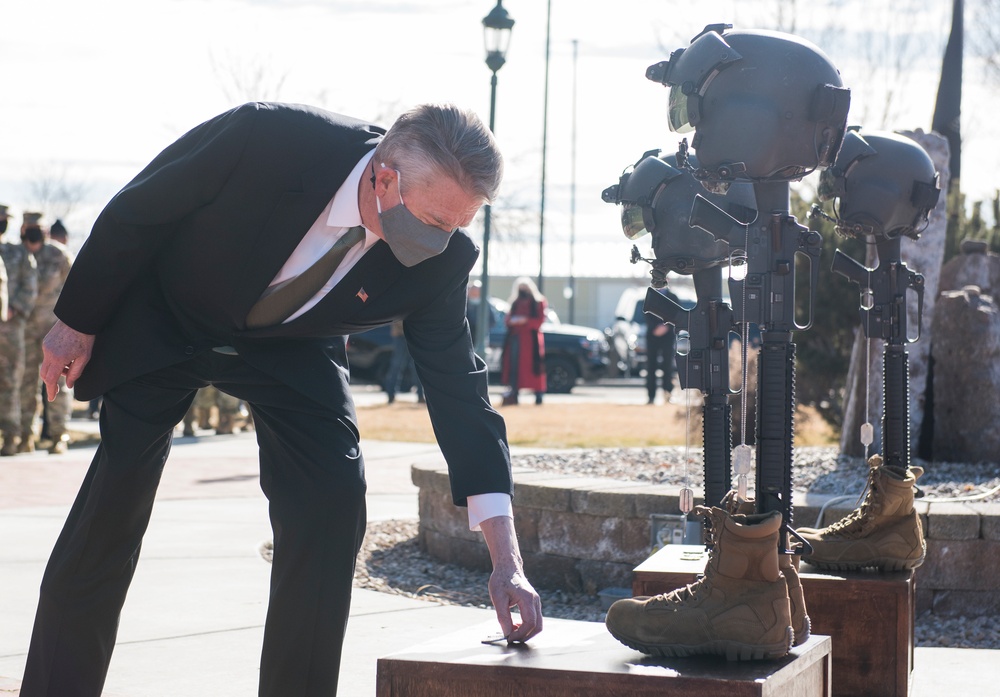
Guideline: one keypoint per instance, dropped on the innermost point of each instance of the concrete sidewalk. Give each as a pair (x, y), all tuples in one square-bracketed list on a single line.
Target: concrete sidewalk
[(193, 621), (194, 618)]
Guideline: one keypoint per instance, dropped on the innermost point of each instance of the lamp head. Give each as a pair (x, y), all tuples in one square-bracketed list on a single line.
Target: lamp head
[(497, 27)]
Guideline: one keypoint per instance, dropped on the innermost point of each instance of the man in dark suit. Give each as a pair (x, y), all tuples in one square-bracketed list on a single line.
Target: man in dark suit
[(660, 348), (165, 297)]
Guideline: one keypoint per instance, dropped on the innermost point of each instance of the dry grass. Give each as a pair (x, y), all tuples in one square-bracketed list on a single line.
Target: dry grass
[(588, 425)]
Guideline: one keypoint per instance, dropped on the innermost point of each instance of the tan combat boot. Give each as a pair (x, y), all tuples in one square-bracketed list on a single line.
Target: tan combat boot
[(10, 444), (203, 417), (883, 533), (739, 609), (59, 445), (27, 444), (225, 426), (789, 567), (188, 422)]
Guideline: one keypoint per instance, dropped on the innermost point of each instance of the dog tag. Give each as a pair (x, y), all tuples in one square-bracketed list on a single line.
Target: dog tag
[(742, 459), (686, 500), (867, 434)]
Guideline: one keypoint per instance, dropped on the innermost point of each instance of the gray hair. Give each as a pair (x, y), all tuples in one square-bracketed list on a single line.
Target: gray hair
[(432, 140)]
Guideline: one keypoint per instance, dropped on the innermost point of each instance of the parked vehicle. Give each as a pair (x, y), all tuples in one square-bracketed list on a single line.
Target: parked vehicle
[(572, 352), (369, 354), (627, 334)]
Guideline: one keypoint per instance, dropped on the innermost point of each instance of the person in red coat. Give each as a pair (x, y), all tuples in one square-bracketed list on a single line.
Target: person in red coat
[(524, 346)]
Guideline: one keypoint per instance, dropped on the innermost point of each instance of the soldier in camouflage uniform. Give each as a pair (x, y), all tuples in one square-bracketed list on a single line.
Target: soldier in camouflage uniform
[(201, 408), (54, 262), (22, 288), (4, 216)]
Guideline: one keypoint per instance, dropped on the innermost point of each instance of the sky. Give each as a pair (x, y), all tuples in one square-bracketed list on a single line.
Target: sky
[(94, 90)]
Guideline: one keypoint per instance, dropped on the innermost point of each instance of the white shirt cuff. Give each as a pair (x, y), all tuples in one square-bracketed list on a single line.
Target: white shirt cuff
[(485, 506)]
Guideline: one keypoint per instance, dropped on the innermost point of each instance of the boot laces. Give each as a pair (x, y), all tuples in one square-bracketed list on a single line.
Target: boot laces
[(858, 521), (703, 585)]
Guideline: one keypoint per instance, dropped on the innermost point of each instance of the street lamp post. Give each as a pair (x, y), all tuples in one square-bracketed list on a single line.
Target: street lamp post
[(496, 35), (572, 201), (545, 137)]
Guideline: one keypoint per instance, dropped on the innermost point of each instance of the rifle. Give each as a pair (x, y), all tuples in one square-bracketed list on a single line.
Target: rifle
[(883, 316), (705, 367), (767, 297)]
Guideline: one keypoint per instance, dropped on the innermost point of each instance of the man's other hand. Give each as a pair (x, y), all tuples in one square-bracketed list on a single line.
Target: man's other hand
[(65, 351)]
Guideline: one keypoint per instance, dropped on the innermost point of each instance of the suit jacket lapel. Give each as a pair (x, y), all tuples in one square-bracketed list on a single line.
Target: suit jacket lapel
[(290, 220), (292, 217), (373, 275)]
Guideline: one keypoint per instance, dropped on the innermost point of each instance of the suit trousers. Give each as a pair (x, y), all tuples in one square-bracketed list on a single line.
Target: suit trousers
[(311, 471)]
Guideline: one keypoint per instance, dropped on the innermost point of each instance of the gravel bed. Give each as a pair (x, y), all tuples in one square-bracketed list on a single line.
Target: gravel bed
[(819, 470), (391, 560)]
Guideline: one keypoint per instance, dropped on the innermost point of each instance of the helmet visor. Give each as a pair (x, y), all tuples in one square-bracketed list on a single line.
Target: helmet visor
[(633, 221), (677, 111)]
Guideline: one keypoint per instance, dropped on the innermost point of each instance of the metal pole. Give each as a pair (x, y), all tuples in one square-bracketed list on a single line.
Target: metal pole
[(572, 201), (545, 135), (483, 316)]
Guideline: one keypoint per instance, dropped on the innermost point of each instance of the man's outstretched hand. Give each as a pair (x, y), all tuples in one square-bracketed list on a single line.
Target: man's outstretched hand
[(508, 586), (65, 351)]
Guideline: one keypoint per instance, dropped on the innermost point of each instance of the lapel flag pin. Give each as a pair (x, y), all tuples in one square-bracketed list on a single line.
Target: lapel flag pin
[(363, 295)]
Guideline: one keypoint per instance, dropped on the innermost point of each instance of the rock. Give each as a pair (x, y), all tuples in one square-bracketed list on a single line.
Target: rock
[(975, 266), (966, 330), (925, 256)]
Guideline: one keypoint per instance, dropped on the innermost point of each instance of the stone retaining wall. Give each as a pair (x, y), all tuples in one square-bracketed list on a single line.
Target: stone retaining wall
[(585, 534)]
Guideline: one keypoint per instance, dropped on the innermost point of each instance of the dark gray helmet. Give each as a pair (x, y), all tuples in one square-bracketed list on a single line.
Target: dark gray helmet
[(884, 184), (656, 197), (765, 106)]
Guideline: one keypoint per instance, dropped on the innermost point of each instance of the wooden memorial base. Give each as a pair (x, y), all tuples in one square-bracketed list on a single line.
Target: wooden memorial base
[(868, 615), (580, 659)]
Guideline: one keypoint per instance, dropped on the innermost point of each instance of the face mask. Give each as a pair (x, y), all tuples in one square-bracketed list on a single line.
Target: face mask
[(410, 240)]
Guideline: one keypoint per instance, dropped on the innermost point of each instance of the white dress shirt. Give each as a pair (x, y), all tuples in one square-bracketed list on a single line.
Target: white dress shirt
[(341, 214)]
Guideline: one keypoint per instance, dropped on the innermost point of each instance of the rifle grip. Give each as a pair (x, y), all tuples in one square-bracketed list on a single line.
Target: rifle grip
[(849, 268), (663, 308), (716, 222)]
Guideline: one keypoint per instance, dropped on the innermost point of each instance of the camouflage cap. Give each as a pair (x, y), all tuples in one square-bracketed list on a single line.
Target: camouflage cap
[(32, 218), (4, 213)]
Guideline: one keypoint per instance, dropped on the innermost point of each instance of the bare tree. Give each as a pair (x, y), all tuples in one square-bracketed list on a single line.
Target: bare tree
[(786, 16), (243, 80), (514, 217), (55, 191), (985, 37), (387, 112)]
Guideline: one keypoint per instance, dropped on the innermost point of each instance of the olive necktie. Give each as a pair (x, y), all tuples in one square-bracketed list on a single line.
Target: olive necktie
[(280, 301)]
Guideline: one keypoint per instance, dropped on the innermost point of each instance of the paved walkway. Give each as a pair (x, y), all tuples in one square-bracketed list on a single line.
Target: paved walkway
[(193, 621)]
